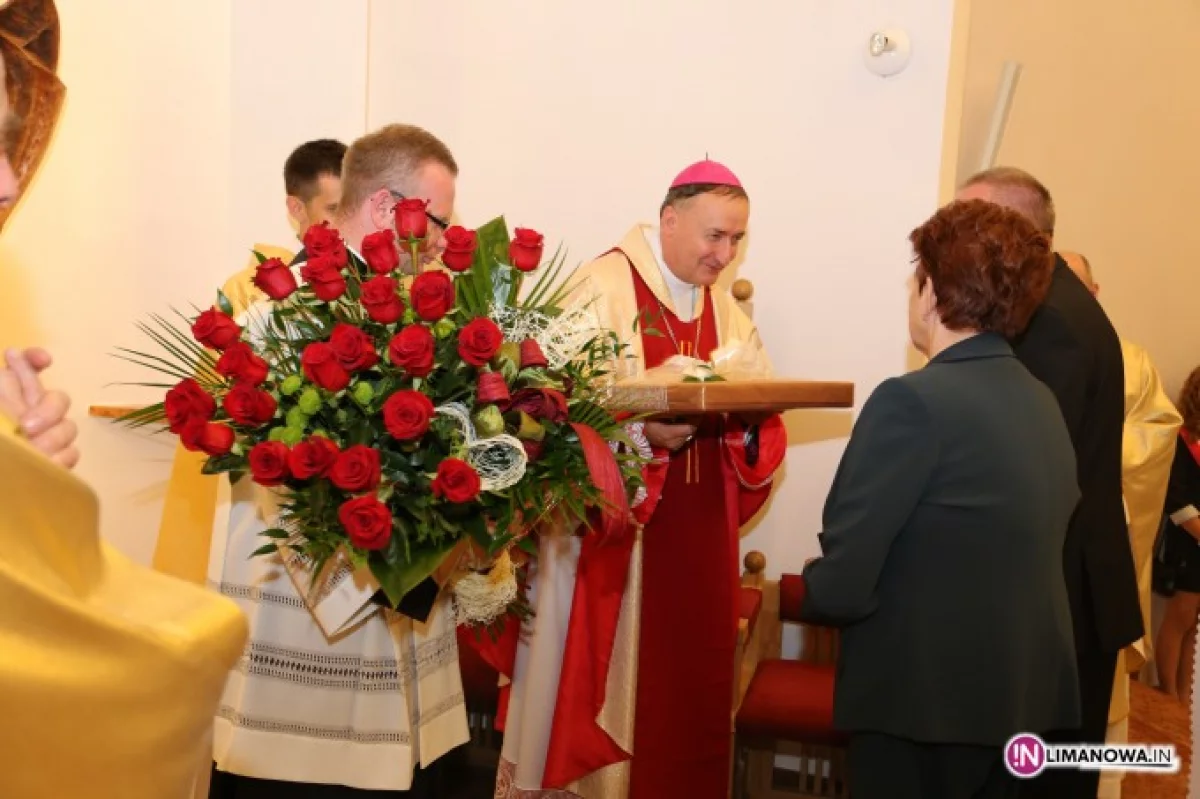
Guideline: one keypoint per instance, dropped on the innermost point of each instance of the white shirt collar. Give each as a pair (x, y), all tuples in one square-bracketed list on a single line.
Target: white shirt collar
[(683, 294)]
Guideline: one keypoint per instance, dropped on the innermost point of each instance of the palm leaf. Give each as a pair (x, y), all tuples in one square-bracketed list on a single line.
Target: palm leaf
[(543, 293), (191, 367), (203, 355), (146, 361)]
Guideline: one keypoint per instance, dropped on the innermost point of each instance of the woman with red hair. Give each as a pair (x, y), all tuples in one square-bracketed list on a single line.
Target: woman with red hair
[(944, 529)]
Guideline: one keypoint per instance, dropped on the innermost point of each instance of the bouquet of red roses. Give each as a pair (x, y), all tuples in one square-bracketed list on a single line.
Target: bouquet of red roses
[(402, 418)]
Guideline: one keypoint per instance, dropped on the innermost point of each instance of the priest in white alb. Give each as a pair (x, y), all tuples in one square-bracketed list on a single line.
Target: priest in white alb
[(335, 694), (623, 680)]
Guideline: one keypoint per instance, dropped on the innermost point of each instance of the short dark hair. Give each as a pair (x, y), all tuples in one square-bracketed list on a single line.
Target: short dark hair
[(681, 193), (990, 266), (1189, 403), (308, 163), (1020, 191)]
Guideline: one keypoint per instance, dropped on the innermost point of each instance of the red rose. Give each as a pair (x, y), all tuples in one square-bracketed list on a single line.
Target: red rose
[(187, 402), (367, 522), (432, 295), (412, 350), (269, 463), (356, 469), (456, 481), (325, 277), (216, 330), (411, 222), (379, 250), (275, 279), (324, 243), (313, 457), (460, 248), (380, 299), (532, 355), (525, 251), (479, 341), (491, 388), (240, 364), (322, 366), (406, 415), (248, 406), (207, 437), (540, 403), (355, 350), (533, 449)]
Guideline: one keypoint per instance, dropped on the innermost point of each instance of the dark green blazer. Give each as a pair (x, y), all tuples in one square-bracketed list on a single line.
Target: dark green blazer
[(943, 540)]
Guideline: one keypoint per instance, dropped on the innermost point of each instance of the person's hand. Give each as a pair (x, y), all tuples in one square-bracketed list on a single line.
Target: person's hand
[(669, 436), (754, 418), (40, 414)]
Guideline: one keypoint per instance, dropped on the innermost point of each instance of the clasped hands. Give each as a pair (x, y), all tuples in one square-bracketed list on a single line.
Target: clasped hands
[(39, 414), (674, 434)]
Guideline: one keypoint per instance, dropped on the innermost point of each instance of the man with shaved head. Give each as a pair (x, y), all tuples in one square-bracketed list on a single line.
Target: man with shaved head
[(1071, 346), (1151, 424)]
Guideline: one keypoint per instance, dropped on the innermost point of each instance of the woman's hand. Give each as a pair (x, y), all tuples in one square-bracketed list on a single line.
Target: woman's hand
[(41, 414)]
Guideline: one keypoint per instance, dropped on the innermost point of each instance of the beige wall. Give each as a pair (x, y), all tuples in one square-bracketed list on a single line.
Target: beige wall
[(1107, 114)]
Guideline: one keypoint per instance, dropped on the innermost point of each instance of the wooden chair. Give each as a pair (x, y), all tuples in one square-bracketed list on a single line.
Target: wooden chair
[(787, 708), (753, 616)]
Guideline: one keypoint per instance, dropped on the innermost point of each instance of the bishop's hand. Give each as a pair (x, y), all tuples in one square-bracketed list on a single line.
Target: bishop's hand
[(669, 436), (40, 414)]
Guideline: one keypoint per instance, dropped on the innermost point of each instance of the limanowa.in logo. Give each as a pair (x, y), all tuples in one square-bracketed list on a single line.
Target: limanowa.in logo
[(1026, 756)]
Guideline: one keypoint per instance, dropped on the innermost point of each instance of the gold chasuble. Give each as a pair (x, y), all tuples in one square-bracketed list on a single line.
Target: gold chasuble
[(1148, 447), (185, 534), (109, 672)]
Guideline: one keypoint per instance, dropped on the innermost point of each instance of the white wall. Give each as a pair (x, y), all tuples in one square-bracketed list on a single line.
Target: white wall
[(128, 213), (573, 119), (165, 167), (299, 73)]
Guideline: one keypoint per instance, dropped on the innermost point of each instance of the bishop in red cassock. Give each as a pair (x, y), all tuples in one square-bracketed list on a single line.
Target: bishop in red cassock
[(622, 682)]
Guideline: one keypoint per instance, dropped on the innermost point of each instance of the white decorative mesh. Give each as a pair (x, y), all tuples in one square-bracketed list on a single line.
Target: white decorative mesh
[(561, 338), (500, 460), (641, 445), (480, 599), (518, 324)]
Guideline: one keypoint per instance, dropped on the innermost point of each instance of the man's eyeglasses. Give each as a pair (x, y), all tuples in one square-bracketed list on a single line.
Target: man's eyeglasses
[(441, 223)]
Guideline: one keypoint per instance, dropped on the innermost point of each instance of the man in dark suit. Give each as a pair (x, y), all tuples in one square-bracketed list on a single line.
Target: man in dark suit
[(1071, 346)]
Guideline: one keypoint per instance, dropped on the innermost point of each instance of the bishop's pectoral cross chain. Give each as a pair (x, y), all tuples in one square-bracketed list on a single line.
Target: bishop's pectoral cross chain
[(692, 350)]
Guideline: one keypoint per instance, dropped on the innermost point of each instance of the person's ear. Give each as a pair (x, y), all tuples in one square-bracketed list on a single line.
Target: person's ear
[(669, 218), (295, 209), (382, 204), (927, 300)]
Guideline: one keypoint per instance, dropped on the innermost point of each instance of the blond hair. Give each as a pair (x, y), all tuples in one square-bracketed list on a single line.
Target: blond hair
[(1020, 191), (388, 159)]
